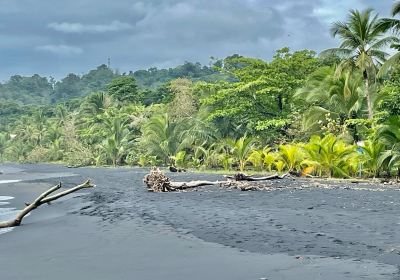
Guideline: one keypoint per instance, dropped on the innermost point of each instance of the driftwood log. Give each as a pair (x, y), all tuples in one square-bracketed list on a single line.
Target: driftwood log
[(157, 181), (244, 177), (42, 199)]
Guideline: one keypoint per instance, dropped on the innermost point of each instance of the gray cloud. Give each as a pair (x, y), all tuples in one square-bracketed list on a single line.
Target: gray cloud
[(55, 37), (60, 49), (77, 27)]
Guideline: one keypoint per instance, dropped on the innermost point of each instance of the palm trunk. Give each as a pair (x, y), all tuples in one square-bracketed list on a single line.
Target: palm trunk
[(367, 94)]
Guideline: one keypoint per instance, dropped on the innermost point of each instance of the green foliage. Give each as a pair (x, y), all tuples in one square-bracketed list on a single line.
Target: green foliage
[(296, 113), (262, 95), (162, 137), (124, 90), (330, 156), (4, 138), (38, 154), (391, 92), (69, 87), (240, 149), (291, 155), (153, 77), (183, 104), (326, 93), (373, 156), (256, 158), (26, 90), (97, 79), (389, 134)]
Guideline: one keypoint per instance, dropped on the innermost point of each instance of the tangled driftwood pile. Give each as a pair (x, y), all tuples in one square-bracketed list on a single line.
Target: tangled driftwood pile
[(157, 181)]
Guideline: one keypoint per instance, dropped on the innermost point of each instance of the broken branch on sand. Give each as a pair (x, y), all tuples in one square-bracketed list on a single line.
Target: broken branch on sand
[(42, 199), (156, 181)]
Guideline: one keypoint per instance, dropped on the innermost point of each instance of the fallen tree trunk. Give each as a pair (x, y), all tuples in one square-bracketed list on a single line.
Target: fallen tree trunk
[(193, 184), (244, 177), (156, 181), (42, 199)]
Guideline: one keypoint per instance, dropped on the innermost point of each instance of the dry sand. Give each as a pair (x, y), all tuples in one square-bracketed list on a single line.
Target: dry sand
[(119, 231)]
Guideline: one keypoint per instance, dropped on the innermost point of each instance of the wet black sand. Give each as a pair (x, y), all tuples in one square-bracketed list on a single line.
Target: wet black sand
[(120, 231)]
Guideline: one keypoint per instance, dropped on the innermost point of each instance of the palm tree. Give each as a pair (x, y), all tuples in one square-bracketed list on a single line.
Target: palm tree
[(339, 96), (256, 158), (55, 150), (363, 39), (117, 139), (53, 132), (241, 149), (396, 8), (162, 137), (391, 24), (39, 121), (291, 155), (389, 134), (95, 103), (330, 156), (373, 156), (61, 113)]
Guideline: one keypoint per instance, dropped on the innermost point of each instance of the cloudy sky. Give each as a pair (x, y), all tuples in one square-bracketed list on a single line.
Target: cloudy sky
[(56, 37)]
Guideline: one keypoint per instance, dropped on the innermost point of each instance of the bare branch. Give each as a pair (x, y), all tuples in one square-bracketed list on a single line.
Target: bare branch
[(42, 199)]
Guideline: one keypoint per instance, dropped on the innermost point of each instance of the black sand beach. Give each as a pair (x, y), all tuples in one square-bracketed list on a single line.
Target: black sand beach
[(120, 231)]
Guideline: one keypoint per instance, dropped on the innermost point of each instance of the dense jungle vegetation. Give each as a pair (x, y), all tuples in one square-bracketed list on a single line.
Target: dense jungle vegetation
[(334, 114)]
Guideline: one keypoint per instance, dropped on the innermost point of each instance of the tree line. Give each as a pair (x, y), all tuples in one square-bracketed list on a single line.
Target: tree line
[(333, 114)]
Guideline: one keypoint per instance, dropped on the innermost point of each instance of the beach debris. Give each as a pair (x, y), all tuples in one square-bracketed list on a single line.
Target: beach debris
[(245, 177), (174, 169), (42, 199), (157, 181)]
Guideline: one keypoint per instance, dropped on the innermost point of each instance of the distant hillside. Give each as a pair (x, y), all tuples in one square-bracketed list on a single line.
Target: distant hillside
[(154, 77), (39, 90)]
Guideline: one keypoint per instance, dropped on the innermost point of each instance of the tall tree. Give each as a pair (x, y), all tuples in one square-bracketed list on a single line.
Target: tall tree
[(124, 90), (260, 98), (183, 105), (363, 40)]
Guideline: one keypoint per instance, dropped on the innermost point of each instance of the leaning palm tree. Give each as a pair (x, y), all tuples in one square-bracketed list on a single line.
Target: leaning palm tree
[(396, 8), (363, 39), (325, 93), (392, 24)]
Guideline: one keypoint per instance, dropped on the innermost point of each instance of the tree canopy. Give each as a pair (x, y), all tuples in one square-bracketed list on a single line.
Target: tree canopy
[(332, 114)]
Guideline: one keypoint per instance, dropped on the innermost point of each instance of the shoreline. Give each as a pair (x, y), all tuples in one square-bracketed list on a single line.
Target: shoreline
[(353, 180)]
